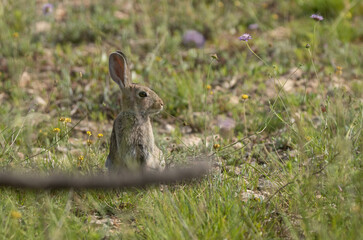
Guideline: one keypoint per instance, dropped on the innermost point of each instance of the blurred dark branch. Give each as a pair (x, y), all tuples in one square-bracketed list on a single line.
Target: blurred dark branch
[(110, 181)]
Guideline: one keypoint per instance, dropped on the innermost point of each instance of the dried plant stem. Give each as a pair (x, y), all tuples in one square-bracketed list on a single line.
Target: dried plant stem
[(244, 116), (249, 48)]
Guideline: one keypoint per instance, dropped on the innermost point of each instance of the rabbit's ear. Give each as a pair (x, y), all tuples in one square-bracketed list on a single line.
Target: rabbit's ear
[(119, 69)]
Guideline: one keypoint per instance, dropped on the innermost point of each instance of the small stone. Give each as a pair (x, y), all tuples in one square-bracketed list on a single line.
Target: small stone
[(24, 79), (234, 100), (62, 149), (186, 129), (253, 26), (21, 155), (40, 101), (60, 14), (226, 127), (42, 26), (169, 128), (251, 195), (265, 184), (238, 145), (193, 38), (191, 140), (121, 15)]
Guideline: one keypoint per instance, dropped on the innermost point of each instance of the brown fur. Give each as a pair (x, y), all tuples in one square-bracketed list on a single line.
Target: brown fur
[(132, 143)]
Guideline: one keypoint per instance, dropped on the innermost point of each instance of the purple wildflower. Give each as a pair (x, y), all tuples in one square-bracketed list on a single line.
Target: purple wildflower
[(47, 8), (245, 37), (317, 17), (193, 38)]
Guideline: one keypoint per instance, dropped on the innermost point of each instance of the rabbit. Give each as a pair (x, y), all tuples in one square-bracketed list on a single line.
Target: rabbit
[(132, 145)]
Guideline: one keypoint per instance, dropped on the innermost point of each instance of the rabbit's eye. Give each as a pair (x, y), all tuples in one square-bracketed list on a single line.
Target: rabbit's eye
[(142, 94)]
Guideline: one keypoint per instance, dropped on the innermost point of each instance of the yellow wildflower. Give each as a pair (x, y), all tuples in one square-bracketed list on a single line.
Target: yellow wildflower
[(68, 120), (244, 96), (56, 130), (339, 71), (15, 34), (15, 214), (100, 135), (89, 142), (62, 119), (211, 92), (80, 160), (89, 133), (216, 146), (208, 87), (348, 15)]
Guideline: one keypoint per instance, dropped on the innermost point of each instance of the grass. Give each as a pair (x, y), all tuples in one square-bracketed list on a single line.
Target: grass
[(292, 168)]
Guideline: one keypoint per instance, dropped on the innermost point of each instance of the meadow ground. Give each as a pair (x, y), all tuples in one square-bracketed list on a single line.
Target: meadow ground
[(282, 112)]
